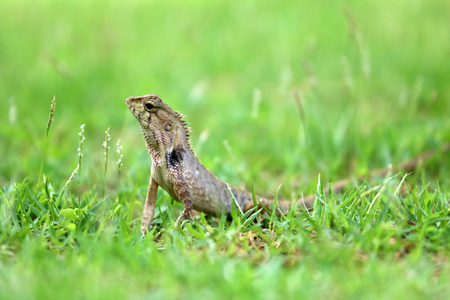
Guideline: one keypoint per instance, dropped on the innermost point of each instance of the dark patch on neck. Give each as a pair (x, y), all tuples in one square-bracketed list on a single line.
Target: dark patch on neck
[(174, 157)]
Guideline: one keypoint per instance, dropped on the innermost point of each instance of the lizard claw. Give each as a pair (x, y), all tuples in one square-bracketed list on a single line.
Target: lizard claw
[(178, 222), (144, 231), (180, 219)]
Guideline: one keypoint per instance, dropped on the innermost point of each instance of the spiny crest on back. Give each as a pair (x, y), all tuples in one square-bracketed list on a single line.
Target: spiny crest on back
[(186, 127)]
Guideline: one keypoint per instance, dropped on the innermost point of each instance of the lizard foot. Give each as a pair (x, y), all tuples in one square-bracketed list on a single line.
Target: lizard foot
[(185, 215), (144, 231)]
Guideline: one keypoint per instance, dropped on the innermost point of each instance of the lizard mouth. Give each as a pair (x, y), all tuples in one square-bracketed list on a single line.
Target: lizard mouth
[(129, 102), (131, 106)]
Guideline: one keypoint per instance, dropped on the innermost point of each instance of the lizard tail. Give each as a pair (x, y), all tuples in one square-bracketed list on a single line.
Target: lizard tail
[(307, 202)]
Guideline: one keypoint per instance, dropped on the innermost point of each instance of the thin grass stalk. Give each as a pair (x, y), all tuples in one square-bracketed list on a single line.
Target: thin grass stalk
[(119, 167), (301, 111), (77, 169), (106, 146), (80, 156), (44, 152)]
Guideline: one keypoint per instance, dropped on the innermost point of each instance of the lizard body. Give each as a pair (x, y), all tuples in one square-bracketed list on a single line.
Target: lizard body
[(178, 171), (175, 167)]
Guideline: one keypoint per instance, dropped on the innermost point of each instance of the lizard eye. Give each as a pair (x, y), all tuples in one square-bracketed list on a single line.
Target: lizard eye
[(167, 127), (149, 106)]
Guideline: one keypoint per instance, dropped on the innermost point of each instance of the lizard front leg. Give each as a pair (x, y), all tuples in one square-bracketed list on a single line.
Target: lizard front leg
[(149, 207)]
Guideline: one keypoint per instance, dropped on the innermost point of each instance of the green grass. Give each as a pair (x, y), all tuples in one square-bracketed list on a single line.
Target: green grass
[(374, 90)]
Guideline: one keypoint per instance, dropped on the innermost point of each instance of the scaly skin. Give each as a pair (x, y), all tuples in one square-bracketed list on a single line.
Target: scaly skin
[(177, 170)]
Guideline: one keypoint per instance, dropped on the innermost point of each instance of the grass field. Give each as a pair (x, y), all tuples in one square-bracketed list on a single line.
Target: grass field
[(373, 81)]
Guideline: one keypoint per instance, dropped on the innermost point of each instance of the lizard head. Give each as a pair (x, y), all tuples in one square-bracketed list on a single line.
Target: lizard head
[(162, 127)]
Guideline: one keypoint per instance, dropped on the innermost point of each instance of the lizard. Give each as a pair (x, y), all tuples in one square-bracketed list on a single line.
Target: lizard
[(177, 170)]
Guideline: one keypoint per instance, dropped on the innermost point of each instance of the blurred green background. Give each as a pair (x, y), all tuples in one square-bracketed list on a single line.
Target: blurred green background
[(372, 79), (277, 92)]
